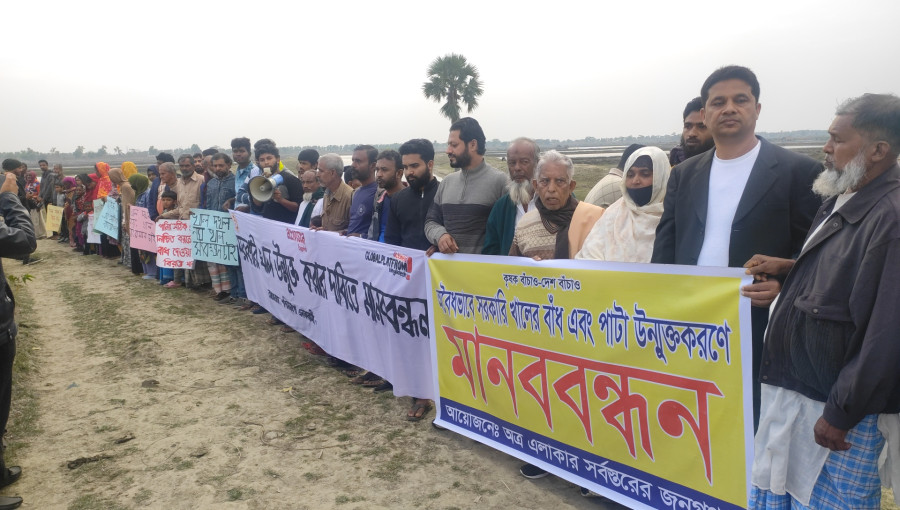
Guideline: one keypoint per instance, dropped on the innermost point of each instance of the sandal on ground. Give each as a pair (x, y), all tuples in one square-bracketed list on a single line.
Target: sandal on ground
[(419, 410), (352, 371), (172, 285), (361, 378), (373, 382), (274, 321), (286, 329), (384, 386)]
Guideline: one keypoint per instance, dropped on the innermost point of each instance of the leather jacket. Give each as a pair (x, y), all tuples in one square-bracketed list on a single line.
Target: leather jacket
[(16, 240)]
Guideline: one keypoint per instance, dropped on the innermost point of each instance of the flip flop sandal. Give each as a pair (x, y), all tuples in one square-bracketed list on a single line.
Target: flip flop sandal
[(286, 329), (385, 386), (373, 383), (358, 379), (274, 321), (352, 372), (425, 408)]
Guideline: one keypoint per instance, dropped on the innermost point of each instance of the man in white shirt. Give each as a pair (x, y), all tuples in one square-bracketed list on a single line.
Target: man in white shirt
[(746, 197)]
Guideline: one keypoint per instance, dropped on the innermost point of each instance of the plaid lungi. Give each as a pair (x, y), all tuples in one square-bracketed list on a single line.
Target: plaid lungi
[(849, 479)]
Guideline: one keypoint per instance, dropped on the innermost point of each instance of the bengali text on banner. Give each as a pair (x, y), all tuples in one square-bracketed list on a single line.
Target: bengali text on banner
[(173, 244), (361, 301), (54, 218), (142, 229), (632, 380), (107, 220), (212, 237)]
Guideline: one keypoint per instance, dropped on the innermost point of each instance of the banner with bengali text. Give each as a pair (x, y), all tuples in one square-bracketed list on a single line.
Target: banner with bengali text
[(108, 220), (361, 301), (632, 380), (173, 244), (54, 218), (142, 229), (212, 237)]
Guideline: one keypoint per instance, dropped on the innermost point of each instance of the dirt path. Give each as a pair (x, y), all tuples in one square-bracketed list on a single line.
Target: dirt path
[(240, 417)]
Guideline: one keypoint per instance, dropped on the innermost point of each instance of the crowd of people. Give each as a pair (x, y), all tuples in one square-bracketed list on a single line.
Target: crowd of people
[(822, 240)]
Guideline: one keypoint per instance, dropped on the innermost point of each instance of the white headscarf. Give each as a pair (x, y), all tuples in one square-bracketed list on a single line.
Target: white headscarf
[(626, 231)]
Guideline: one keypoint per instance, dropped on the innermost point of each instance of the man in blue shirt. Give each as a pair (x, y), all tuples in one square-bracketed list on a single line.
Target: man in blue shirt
[(362, 205), (388, 174), (246, 170)]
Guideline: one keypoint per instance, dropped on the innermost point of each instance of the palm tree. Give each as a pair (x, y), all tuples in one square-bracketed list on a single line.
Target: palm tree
[(453, 78)]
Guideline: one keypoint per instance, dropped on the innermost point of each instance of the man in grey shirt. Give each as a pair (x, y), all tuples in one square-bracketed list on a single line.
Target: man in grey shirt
[(457, 220)]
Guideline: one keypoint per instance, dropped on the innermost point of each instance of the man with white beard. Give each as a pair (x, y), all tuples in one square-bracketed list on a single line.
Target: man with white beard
[(312, 192), (830, 392), (521, 158)]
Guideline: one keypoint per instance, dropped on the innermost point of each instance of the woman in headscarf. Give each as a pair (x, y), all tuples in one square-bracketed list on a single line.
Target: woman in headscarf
[(69, 185), (625, 233), (153, 192), (129, 169), (139, 184), (126, 200), (84, 206), (104, 185), (106, 190), (34, 205), (146, 198)]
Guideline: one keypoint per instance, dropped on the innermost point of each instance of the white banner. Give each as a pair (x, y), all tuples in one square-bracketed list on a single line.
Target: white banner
[(93, 237), (363, 302)]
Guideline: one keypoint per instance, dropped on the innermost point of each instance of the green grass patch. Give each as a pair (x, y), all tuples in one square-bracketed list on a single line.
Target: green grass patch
[(94, 502)]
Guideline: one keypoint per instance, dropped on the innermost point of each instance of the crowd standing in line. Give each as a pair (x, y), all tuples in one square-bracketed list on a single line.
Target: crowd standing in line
[(724, 197)]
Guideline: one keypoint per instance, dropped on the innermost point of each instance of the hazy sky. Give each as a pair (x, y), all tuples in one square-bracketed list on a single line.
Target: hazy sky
[(174, 73)]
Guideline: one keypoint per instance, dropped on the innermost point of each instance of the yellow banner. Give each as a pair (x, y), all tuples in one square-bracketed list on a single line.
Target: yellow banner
[(54, 218), (632, 381)]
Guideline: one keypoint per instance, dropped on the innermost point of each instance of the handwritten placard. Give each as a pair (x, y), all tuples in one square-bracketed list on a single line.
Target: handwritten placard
[(92, 236), (54, 218), (142, 230), (108, 220), (212, 237), (173, 244)]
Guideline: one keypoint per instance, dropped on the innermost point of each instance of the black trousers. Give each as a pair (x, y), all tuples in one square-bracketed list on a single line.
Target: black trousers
[(7, 355)]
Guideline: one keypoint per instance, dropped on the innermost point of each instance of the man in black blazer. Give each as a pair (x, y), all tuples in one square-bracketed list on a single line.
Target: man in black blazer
[(744, 197)]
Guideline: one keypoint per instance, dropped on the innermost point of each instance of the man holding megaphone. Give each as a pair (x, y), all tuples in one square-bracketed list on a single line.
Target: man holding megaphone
[(276, 195)]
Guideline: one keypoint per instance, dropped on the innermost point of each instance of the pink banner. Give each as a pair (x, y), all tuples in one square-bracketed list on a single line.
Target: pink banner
[(142, 230)]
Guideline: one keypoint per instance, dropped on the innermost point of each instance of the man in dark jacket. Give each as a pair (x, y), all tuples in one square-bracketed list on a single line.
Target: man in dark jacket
[(406, 218), (16, 240), (745, 197), (406, 221), (831, 354)]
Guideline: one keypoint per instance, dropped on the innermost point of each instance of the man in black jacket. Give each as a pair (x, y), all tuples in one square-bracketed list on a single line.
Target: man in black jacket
[(406, 222), (16, 240), (406, 218), (746, 197)]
